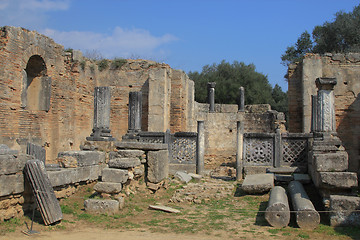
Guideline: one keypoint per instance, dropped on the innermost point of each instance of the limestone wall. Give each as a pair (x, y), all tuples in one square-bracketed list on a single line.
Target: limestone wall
[(346, 69)]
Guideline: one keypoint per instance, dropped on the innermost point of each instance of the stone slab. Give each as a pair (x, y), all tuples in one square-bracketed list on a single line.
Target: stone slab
[(108, 187), (124, 163), (331, 162), (101, 206), (141, 146), (284, 170), (114, 175), (85, 158), (336, 180), (127, 153), (344, 210), (258, 183), (10, 164), (16, 186), (164, 208), (157, 165), (283, 178), (183, 177)]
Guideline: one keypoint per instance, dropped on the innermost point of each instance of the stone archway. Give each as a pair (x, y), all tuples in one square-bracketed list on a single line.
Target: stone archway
[(36, 85)]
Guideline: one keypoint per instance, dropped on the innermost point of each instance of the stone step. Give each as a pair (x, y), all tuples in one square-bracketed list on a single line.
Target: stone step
[(284, 170), (258, 183)]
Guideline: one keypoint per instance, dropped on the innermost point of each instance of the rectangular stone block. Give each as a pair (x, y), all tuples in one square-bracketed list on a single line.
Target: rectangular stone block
[(62, 177), (85, 158), (114, 175), (158, 165), (108, 187), (101, 206), (344, 210), (124, 163), (141, 146), (258, 183), (11, 184), (336, 180), (331, 162), (127, 153), (10, 164)]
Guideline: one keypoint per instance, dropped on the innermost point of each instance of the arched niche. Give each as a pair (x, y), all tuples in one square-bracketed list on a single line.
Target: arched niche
[(36, 85)]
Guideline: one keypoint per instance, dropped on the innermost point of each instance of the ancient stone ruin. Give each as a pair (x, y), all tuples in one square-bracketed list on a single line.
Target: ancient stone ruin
[(139, 120)]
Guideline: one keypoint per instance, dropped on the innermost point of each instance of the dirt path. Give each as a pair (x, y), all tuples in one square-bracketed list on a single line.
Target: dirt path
[(97, 234)]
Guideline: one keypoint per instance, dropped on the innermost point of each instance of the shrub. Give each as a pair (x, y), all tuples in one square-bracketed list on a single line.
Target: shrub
[(117, 63)]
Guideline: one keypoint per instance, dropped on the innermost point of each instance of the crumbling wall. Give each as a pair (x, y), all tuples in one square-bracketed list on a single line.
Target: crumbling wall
[(346, 69), (221, 129), (47, 94)]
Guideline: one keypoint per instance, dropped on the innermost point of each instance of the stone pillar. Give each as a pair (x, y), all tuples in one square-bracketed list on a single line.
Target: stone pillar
[(101, 130), (278, 148), (239, 149), (200, 148), (135, 109), (211, 96), (325, 114), (313, 113), (241, 106)]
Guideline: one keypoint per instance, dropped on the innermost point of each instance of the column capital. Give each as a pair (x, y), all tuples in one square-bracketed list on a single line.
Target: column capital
[(325, 83)]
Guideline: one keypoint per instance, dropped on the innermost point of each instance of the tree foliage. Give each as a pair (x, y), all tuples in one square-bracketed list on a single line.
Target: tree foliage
[(230, 77), (340, 36)]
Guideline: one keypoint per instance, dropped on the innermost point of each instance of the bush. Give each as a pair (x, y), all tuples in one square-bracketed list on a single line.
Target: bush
[(117, 63), (103, 64)]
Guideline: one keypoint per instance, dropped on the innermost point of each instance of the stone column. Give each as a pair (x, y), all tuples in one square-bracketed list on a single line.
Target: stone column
[(325, 114), (241, 106), (101, 130), (278, 148), (200, 148), (239, 149), (313, 113), (211, 96), (135, 109)]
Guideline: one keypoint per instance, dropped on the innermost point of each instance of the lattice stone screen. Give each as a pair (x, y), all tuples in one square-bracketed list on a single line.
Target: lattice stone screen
[(259, 149), (183, 148)]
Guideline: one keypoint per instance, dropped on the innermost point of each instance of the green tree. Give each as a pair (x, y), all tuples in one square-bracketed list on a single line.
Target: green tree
[(340, 36), (230, 77)]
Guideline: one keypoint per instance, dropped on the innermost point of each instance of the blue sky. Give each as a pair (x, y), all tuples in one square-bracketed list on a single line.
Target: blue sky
[(186, 34)]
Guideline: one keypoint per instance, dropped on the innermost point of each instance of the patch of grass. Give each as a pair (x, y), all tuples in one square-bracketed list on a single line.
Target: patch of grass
[(273, 231), (103, 64), (67, 209), (304, 236), (117, 63), (9, 225)]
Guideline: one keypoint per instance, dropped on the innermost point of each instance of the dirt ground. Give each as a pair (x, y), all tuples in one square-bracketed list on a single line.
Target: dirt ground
[(210, 209)]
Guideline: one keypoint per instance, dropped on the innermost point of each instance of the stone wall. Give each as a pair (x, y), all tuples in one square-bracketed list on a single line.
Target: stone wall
[(346, 69), (220, 128), (47, 94)]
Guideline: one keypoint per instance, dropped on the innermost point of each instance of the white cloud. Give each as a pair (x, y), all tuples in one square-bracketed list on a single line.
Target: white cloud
[(120, 43), (30, 14)]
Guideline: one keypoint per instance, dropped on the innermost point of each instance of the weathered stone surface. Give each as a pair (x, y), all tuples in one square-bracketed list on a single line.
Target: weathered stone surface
[(333, 180), (114, 175), (67, 161), (189, 168), (5, 150), (101, 206), (108, 187), (127, 153), (10, 164), (303, 178), (164, 208), (124, 162), (283, 178), (331, 162), (306, 215), (183, 177), (277, 213), (85, 158), (195, 176), (158, 165), (251, 170), (139, 171), (11, 184), (258, 183), (344, 210), (141, 146), (74, 175)]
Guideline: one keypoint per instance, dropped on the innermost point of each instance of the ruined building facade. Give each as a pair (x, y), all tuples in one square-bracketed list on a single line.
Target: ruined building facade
[(345, 68), (47, 98)]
